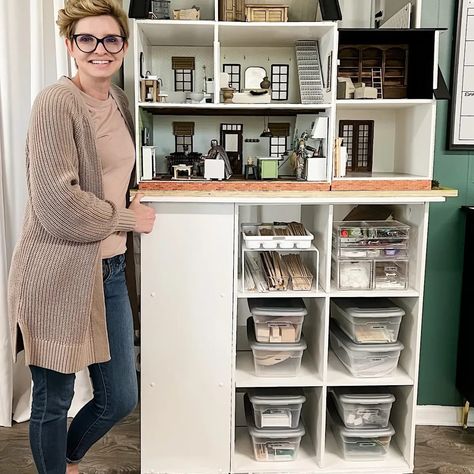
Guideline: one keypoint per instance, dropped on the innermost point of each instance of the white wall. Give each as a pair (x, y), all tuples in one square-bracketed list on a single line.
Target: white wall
[(265, 57), (356, 13), (384, 135), (161, 66)]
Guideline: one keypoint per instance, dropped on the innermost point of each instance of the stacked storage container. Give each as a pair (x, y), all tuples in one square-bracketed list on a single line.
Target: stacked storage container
[(364, 335), (370, 255), (273, 415), (273, 419), (275, 335), (360, 423)]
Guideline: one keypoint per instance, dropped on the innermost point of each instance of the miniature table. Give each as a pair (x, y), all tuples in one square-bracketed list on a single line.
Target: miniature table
[(185, 168)]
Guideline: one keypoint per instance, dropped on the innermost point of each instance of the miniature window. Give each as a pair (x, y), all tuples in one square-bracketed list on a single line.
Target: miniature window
[(234, 75), (358, 137), (183, 67), (280, 73), (183, 136), (279, 138)]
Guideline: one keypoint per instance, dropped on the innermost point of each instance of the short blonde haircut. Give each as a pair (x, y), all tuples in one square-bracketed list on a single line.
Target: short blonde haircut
[(75, 10)]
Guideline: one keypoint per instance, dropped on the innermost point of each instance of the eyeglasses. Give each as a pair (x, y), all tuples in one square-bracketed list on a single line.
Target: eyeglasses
[(88, 43)]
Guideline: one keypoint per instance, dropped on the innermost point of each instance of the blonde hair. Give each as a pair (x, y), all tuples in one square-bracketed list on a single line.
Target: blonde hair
[(75, 10)]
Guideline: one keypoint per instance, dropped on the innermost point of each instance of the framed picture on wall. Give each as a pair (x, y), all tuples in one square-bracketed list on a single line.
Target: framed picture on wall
[(461, 135)]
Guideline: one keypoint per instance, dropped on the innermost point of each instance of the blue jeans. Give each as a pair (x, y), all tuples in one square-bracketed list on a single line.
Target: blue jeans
[(114, 383)]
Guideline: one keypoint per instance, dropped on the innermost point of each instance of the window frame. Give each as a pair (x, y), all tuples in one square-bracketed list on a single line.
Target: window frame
[(275, 78), (232, 75), (180, 84)]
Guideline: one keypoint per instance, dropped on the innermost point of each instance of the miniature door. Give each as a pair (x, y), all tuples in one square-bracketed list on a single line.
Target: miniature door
[(358, 137), (231, 141), (232, 10)]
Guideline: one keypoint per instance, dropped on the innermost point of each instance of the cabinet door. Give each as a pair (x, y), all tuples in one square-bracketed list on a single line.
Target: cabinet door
[(275, 14), (257, 14), (186, 339), (239, 10)]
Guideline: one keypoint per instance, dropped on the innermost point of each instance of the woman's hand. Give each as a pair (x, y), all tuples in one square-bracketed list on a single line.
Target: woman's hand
[(144, 215)]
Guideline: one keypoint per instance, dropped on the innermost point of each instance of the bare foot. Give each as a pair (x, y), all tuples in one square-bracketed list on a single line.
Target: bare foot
[(72, 469)]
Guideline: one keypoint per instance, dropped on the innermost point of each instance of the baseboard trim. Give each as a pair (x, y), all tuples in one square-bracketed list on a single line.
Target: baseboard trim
[(441, 416)]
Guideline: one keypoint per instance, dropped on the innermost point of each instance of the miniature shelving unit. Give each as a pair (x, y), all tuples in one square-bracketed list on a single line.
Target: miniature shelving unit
[(195, 358)]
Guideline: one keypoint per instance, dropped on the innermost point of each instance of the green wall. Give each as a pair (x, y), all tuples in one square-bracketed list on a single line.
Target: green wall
[(445, 240)]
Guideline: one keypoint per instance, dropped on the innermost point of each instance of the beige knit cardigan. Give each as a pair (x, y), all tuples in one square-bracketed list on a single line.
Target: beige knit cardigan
[(55, 289)]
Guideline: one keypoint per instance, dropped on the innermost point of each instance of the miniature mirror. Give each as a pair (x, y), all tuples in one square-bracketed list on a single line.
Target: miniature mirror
[(254, 76)]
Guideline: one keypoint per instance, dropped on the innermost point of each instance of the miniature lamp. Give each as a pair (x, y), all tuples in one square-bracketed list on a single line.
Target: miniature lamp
[(266, 130)]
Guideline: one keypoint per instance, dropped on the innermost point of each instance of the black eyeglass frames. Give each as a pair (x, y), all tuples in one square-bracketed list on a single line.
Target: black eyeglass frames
[(88, 43)]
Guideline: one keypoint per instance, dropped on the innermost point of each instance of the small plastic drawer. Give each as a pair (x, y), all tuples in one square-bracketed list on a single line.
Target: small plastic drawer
[(391, 274), (275, 360), (364, 360), (354, 231), (352, 274), (273, 236), (276, 407), (368, 444), (277, 320), (362, 409), (368, 320)]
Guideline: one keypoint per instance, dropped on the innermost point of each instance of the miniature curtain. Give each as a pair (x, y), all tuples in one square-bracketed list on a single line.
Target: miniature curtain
[(182, 62)]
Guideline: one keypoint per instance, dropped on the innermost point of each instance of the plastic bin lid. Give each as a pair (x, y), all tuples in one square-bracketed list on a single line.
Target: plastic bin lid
[(272, 346), (277, 307), (369, 307), (276, 396), (352, 346), (347, 396), (364, 432), (276, 432)]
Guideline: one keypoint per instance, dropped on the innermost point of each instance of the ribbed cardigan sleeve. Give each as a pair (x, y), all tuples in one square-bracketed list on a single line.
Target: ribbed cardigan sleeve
[(62, 207)]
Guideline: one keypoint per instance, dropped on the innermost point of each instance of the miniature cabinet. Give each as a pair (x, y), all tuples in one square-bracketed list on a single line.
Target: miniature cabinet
[(195, 358), (232, 10), (259, 12)]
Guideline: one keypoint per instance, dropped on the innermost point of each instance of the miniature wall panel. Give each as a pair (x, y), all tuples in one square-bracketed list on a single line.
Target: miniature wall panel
[(414, 146)]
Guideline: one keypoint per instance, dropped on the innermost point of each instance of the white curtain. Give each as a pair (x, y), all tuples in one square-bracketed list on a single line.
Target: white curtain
[(31, 56)]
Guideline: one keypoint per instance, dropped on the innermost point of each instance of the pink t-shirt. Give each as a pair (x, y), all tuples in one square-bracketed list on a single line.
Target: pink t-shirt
[(116, 153)]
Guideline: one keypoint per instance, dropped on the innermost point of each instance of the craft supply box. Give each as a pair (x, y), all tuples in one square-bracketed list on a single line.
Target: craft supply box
[(362, 410), (277, 319), (368, 320), (275, 360), (365, 360), (361, 444)]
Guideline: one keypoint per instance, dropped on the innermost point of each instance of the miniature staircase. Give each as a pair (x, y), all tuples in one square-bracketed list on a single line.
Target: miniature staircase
[(377, 81), (309, 72)]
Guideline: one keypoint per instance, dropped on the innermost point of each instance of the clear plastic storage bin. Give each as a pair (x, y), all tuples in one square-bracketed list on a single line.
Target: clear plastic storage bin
[(361, 444), (276, 407), (277, 320), (368, 320), (365, 360), (275, 444), (275, 360), (362, 410)]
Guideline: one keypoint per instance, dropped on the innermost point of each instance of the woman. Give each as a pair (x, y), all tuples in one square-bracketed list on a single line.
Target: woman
[(68, 302)]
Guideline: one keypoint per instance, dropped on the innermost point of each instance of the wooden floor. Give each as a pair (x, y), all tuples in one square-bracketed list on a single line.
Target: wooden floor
[(439, 450)]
